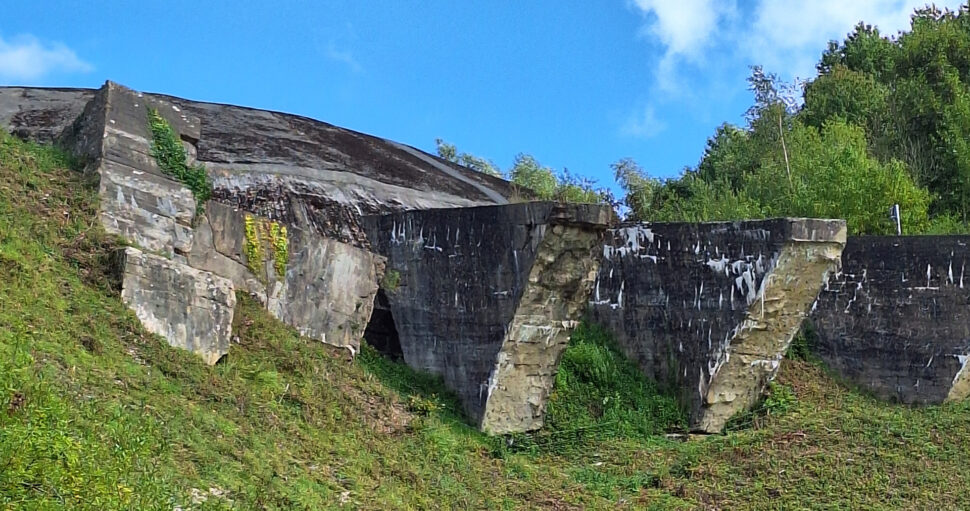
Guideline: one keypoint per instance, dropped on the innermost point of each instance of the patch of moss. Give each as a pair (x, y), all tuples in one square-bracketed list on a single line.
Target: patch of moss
[(391, 280)]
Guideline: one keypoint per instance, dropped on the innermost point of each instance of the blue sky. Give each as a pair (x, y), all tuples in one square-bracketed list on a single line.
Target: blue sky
[(578, 84)]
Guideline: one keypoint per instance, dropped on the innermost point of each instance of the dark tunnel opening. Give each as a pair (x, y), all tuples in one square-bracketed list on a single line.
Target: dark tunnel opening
[(381, 332)]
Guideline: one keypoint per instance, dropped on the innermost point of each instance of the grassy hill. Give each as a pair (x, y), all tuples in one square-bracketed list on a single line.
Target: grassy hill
[(97, 414)]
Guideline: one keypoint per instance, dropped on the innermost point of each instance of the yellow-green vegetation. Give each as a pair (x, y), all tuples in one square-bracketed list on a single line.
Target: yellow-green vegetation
[(97, 414), (253, 245), (170, 154), (281, 254), (256, 229)]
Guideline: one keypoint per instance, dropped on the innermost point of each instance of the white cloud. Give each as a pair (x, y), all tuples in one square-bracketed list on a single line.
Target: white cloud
[(643, 124), (686, 26), (343, 56), (789, 36), (27, 58), (685, 29), (786, 36)]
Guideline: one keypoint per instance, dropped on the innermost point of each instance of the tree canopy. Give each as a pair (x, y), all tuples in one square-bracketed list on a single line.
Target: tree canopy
[(532, 179), (886, 121)]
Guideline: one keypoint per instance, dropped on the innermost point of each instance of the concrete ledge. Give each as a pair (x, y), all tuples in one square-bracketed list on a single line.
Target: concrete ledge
[(896, 319), (709, 309), (487, 297)]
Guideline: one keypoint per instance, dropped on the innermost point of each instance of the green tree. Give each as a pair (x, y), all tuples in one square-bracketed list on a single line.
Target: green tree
[(853, 96), (692, 199), (783, 164), (910, 94), (531, 178), (527, 172), (574, 188), (450, 152), (730, 155), (865, 51), (932, 112), (640, 190), (834, 176)]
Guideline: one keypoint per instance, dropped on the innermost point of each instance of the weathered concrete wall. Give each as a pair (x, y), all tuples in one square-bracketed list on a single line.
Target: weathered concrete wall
[(896, 319), (187, 306), (286, 167), (487, 296), (708, 310), (324, 288), (191, 308), (41, 114), (138, 201)]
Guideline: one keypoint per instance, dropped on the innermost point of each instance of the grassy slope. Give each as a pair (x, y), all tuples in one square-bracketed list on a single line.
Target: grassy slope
[(95, 413)]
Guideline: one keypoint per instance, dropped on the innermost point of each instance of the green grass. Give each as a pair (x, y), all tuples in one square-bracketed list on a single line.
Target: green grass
[(600, 394), (97, 414)]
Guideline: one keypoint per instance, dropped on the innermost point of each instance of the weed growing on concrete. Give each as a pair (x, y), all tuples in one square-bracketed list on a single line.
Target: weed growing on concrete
[(258, 229), (253, 245), (391, 280), (803, 343), (170, 155), (778, 400), (281, 254)]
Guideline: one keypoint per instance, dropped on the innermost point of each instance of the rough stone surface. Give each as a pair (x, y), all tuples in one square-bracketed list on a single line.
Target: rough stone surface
[(708, 310), (286, 167), (487, 296), (327, 287), (896, 319), (138, 201), (190, 308), (353, 168), (41, 114)]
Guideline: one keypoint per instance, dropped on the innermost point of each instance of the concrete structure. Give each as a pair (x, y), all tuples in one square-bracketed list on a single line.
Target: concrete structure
[(324, 288), (487, 297), (896, 319), (285, 167), (708, 310), (186, 262)]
